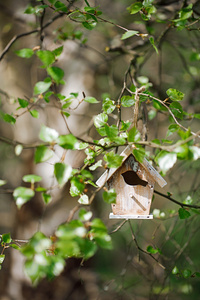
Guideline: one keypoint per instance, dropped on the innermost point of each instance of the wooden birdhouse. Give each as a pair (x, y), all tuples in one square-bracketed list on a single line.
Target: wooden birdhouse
[(134, 184)]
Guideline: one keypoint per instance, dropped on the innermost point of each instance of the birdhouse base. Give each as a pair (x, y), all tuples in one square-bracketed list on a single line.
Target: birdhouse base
[(112, 216)]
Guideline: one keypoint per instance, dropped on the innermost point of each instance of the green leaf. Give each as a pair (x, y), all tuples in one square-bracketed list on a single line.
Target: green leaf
[(129, 34), (139, 153), (152, 250), (194, 152), (23, 103), (152, 114), (56, 74), (85, 215), (32, 178), (42, 86), (182, 151), (185, 13), (47, 95), (133, 135), (67, 141), (175, 95), (110, 196), (2, 182), (187, 273), (166, 160), (2, 257), (125, 125), (91, 24), (46, 56), (34, 113), (48, 134), (22, 195), (46, 198), (90, 100), (42, 153), (25, 53), (176, 109), (6, 238), (113, 160), (83, 200), (77, 187), (108, 105), (127, 101), (9, 119), (100, 120), (151, 39), (96, 165), (172, 128), (175, 271), (135, 7), (183, 213), (62, 173), (60, 6), (111, 131), (58, 51)]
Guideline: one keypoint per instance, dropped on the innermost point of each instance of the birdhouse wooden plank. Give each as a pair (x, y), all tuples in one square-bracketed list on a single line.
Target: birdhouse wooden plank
[(134, 184)]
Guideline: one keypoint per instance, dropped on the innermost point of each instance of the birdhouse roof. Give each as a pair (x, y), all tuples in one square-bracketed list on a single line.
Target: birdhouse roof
[(126, 153)]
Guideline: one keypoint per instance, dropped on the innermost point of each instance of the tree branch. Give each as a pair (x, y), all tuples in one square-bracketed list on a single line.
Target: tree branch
[(177, 202)]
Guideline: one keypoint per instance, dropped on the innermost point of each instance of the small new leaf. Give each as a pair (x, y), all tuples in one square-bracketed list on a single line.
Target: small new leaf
[(25, 53), (129, 34)]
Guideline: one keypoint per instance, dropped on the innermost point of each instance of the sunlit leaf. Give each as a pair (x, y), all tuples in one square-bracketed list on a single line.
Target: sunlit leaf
[(135, 7), (56, 74), (127, 101), (166, 160), (22, 195), (113, 160), (2, 182), (129, 34), (34, 113), (100, 120), (68, 141), (42, 86), (25, 53), (62, 173), (23, 103), (48, 134), (90, 100), (32, 178), (175, 95), (83, 200), (42, 153), (46, 56), (133, 135)]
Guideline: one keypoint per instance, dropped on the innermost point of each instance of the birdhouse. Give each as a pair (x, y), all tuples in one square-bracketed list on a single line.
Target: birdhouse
[(134, 185)]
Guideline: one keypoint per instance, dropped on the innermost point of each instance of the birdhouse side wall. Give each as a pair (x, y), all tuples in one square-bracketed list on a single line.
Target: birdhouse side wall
[(132, 199)]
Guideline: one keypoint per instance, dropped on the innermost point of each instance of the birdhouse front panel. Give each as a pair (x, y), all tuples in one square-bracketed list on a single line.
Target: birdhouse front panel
[(134, 187)]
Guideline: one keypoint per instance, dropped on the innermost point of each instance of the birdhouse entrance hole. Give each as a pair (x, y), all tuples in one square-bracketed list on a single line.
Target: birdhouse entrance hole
[(131, 178)]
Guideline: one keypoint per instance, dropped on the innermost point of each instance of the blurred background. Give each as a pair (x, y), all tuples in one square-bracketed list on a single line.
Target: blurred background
[(94, 65)]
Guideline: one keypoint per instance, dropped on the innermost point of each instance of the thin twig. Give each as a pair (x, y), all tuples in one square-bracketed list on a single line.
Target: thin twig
[(142, 250), (177, 202)]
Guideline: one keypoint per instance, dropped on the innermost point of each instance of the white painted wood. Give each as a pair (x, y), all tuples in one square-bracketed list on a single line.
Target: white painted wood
[(127, 217)]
